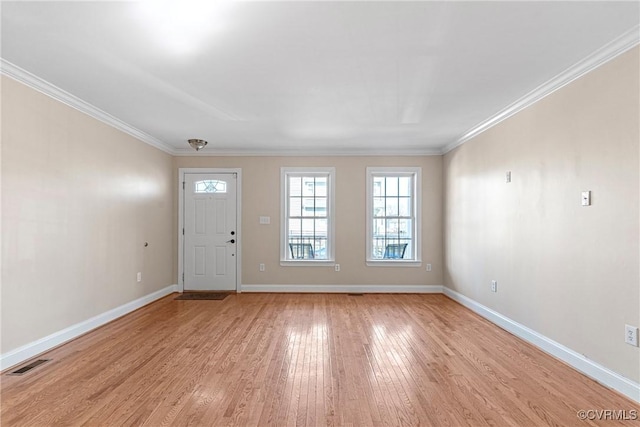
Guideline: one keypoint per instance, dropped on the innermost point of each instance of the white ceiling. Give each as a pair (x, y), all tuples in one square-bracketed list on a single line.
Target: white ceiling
[(307, 77)]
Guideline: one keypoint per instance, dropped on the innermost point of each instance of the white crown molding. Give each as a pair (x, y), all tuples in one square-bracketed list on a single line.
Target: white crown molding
[(606, 53), (10, 70), (32, 349), (187, 152), (574, 359), (13, 71), (364, 289)]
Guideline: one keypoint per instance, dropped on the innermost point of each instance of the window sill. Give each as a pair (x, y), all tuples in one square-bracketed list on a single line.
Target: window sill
[(393, 263), (308, 263)]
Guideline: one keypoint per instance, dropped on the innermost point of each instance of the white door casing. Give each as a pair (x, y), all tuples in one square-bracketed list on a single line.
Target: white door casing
[(210, 238)]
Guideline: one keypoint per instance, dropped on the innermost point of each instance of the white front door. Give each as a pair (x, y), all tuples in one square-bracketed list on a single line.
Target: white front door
[(210, 237)]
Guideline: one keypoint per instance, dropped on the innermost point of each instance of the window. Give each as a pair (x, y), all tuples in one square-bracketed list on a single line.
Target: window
[(393, 216), (210, 186), (307, 219)]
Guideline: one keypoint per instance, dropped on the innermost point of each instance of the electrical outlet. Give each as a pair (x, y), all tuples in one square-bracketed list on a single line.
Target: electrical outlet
[(139, 277), (262, 267), (428, 267), (494, 286), (631, 335), (337, 267)]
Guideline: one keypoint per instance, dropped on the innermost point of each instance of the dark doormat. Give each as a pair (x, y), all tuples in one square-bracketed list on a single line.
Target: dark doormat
[(202, 296)]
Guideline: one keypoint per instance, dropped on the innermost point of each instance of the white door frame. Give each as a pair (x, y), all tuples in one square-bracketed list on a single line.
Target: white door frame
[(181, 177)]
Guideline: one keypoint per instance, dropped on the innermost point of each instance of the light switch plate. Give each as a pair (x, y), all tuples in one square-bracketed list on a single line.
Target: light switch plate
[(586, 198), (265, 220)]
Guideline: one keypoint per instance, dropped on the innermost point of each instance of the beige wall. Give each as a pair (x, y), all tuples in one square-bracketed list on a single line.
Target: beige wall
[(79, 199), (261, 197), (566, 271)]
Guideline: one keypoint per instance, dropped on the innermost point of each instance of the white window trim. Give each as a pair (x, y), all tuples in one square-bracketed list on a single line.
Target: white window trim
[(417, 205), (320, 171)]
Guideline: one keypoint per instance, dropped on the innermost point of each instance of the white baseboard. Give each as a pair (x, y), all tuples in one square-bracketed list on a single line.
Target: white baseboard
[(361, 289), (588, 367), (27, 351)]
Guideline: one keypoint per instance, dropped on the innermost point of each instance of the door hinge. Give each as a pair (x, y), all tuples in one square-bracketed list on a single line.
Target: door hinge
[(183, 277), (183, 185), (183, 231)]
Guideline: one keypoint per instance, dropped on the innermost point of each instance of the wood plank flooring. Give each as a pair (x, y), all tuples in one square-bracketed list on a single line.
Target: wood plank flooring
[(303, 359)]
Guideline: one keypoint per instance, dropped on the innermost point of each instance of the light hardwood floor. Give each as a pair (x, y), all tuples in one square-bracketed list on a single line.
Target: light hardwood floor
[(300, 359)]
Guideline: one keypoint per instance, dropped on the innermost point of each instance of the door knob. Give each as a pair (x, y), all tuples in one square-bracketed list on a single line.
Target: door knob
[(231, 241)]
